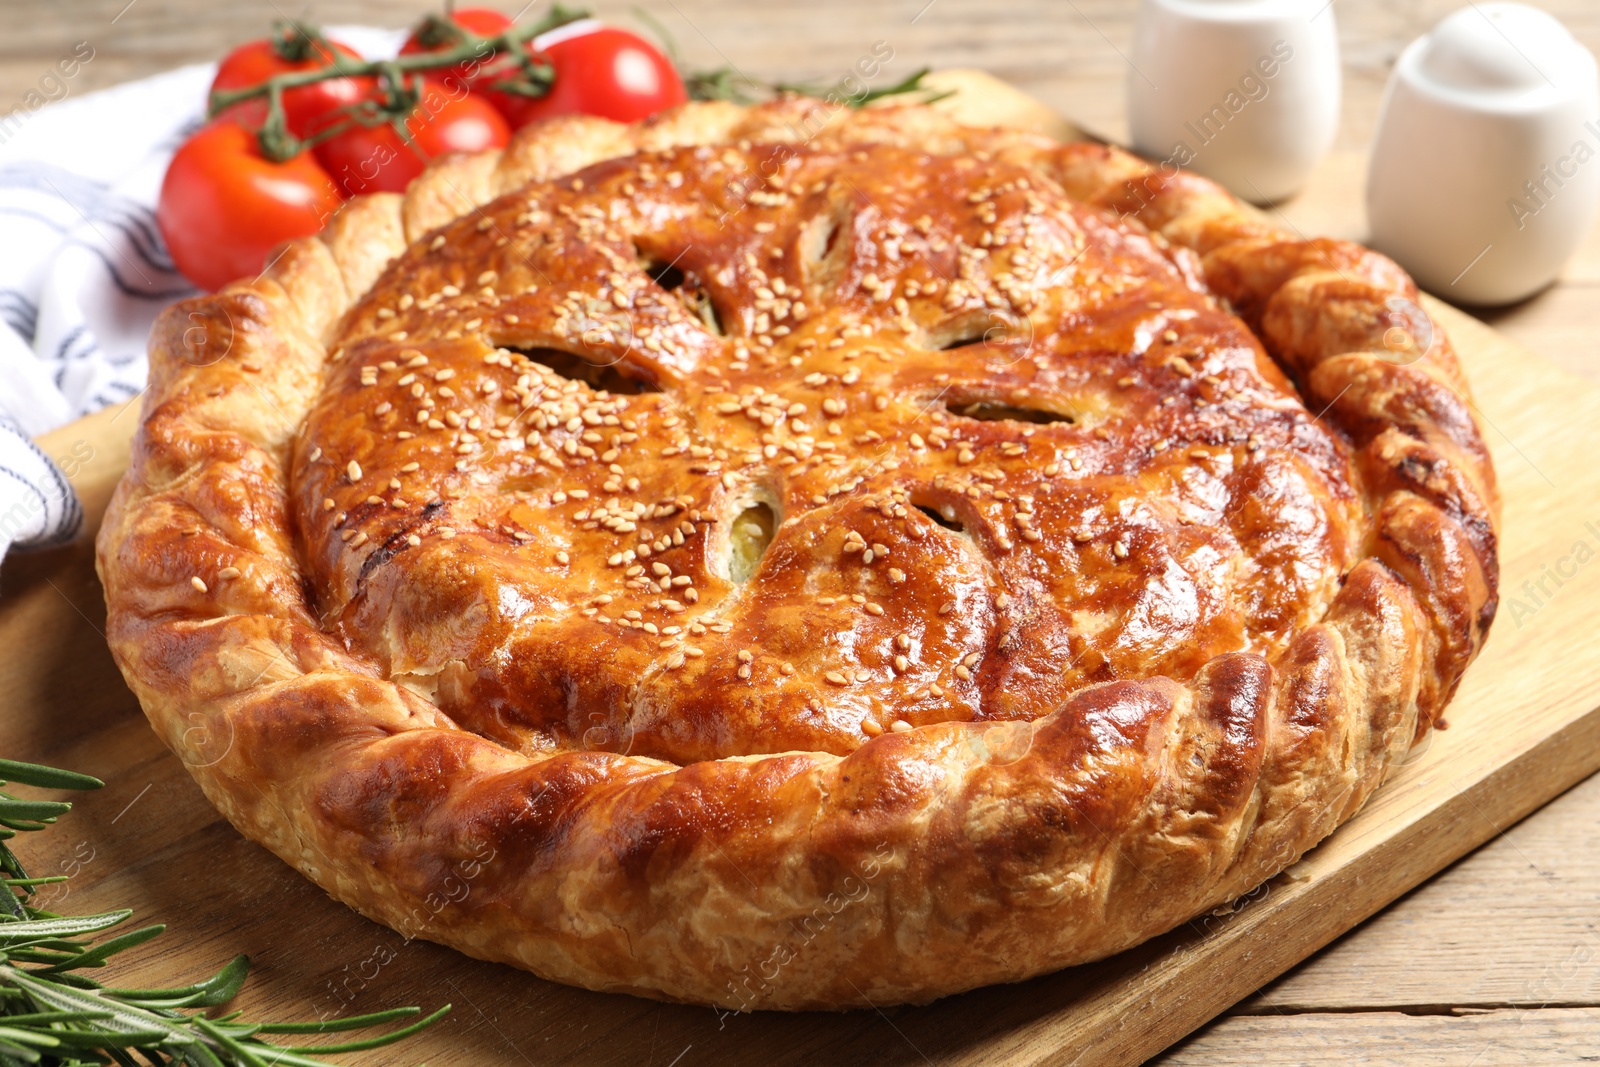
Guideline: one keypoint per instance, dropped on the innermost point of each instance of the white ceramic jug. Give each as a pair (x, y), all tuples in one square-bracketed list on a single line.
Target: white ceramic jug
[(1485, 173), (1242, 91)]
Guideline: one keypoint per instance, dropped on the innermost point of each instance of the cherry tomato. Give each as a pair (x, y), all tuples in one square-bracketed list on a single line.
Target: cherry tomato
[(367, 159), (255, 61), (607, 72), (430, 36), (224, 207)]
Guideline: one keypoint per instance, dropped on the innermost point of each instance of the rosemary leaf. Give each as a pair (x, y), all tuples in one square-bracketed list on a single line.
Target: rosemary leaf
[(328, 1026), (97, 956), (40, 931), (45, 777), (373, 1042), (218, 989), (16, 812), (27, 1037)]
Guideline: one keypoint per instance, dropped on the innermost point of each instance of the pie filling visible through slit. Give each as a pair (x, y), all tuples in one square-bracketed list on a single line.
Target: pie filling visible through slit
[(1023, 546)]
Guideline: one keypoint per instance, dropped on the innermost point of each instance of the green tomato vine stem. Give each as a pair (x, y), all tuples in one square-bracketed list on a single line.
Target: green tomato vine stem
[(513, 68)]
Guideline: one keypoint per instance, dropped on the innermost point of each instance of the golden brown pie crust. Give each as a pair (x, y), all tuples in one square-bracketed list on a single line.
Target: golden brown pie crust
[(1120, 544)]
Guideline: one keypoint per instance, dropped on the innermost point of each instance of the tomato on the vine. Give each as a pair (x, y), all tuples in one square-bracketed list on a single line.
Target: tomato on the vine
[(367, 159), (607, 72), (304, 107), (432, 36), (224, 206)]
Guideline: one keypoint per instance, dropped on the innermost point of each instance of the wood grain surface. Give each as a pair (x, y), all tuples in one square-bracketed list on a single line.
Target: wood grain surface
[(1391, 1039), (1513, 924)]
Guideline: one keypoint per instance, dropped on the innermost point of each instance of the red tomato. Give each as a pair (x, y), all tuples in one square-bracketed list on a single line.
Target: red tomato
[(255, 61), (607, 72), (224, 207), (427, 37), (367, 159)]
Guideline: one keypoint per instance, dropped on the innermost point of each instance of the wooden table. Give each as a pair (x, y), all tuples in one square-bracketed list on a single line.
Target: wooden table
[(1497, 959)]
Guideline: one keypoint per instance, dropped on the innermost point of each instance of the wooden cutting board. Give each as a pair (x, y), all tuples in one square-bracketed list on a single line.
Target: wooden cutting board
[(1523, 728)]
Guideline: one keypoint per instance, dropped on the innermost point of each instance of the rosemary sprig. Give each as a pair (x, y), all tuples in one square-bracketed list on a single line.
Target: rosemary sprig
[(726, 83), (841, 91), (52, 1015)]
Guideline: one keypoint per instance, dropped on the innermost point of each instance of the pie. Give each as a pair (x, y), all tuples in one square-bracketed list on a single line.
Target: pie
[(783, 559)]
